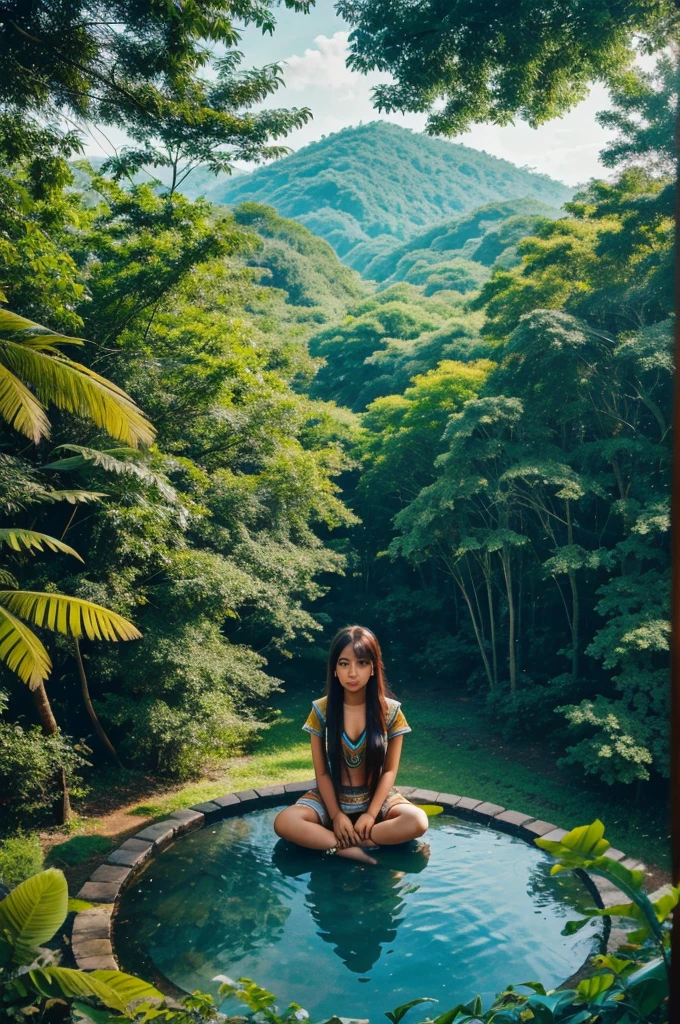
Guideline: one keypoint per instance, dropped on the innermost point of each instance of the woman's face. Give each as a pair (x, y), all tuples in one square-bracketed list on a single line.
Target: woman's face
[(352, 671)]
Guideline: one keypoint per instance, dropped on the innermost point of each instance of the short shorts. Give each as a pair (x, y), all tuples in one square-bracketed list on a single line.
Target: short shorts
[(353, 800)]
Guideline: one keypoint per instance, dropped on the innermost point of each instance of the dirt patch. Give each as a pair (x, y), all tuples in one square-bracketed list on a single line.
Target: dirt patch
[(107, 813)]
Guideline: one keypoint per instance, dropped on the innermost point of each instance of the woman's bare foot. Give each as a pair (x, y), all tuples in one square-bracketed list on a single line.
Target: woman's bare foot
[(356, 853)]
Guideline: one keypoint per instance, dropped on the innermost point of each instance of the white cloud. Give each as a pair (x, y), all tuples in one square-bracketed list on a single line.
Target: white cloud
[(567, 148), (318, 78)]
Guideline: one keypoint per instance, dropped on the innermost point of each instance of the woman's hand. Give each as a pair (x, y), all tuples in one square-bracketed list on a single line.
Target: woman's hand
[(363, 827), (344, 831)]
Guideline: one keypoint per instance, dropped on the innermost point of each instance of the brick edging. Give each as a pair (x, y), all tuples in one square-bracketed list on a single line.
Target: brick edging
[(91, 936)]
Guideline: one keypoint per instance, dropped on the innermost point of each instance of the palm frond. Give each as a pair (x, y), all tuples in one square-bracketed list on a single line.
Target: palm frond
[(22, 651), (30, 540), (8, 580), (31, 333), (69, 615), (73, 497), (20, 408), (107, 460), (79, 390)]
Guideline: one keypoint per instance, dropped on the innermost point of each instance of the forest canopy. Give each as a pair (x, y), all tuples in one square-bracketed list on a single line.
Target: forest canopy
[(367, 188), (468, 448)]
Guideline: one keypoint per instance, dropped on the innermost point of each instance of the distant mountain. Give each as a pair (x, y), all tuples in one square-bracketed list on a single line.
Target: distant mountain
[(304, 284), (364, 187), (458, 254)]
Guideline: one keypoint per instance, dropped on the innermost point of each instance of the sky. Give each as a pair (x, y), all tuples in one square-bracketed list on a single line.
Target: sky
[(312, 49)]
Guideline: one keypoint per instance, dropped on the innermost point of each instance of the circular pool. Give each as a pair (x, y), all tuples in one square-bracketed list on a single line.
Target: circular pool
[(467, 910)]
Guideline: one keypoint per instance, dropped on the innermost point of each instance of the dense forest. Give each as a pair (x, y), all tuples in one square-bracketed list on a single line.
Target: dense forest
[(467, 446), (366, 188), (387, 378)]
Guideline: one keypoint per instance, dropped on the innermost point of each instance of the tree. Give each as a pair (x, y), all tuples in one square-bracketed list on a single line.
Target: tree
[(23, 651), (491, 63), (643, 113), (138, 65)]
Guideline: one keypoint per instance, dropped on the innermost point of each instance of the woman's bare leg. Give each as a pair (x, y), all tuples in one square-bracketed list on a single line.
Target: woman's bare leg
[(300, 824), (403, 822)]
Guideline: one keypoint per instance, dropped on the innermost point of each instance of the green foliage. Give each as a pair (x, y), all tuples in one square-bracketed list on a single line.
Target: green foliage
[(209, 538), (31, 983), (366, 187), (30, 915), (143, 68), (571, 428), (297, 262), (643, 114), (633, 985), (483, 236), (20, 858), (29, 767), (472, 65), (386, 341)]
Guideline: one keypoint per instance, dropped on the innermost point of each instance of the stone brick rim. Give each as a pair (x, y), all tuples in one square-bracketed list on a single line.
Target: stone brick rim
[(91, 939)]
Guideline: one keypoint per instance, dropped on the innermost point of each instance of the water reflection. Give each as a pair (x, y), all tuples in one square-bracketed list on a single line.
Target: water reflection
[(372, 898), (222, 906), (566, 886), (336, 935)]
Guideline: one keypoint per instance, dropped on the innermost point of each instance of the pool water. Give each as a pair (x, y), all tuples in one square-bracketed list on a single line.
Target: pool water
[(470, 912)]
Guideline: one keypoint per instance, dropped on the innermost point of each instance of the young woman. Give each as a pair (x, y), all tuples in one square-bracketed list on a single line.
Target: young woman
[(357, 732)]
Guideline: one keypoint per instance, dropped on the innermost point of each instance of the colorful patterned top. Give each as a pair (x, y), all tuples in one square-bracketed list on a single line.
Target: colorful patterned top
[(353, 750)]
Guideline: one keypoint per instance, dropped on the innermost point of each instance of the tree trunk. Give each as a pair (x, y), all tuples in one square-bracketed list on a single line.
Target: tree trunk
[(475, 626), (492, 619), (520, 608), (44, 709), (65, 811), (575, 608), (512, 665), (50, 728), (98, 727)]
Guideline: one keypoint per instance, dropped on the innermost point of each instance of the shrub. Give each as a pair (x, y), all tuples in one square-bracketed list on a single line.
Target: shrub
[(29, 770), (20, 857)]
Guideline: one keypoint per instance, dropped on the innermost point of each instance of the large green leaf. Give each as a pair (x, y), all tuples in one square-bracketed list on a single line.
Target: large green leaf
[(30, 333), (30, 540), (20, 408), (22, 651), (72, 496), (631, 879), (8, 580), (85, 1012), (110, 460), (648, 986), (398, 1012), (589, 988), (114, 989), (70, 615), (31, 914), (578, 846), (450, 1015), (29, 355), (126, 986)]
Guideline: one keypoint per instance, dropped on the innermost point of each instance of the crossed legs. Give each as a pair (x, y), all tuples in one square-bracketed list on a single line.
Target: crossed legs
[(300, 824)]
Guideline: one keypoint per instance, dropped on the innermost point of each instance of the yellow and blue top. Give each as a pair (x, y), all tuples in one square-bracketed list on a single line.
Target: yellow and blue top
[(353, 750)]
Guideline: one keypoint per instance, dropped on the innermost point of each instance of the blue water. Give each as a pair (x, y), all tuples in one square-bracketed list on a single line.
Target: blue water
[(477, 911)]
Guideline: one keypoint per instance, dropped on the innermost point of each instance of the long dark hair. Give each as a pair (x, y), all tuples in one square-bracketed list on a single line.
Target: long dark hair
[(365, 645)]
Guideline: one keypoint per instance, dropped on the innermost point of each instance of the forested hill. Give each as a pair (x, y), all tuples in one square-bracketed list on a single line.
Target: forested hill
[(460, 253), (367, 185)]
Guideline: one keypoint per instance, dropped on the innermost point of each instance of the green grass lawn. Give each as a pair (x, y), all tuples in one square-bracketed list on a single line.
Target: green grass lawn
[(452, 749)]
